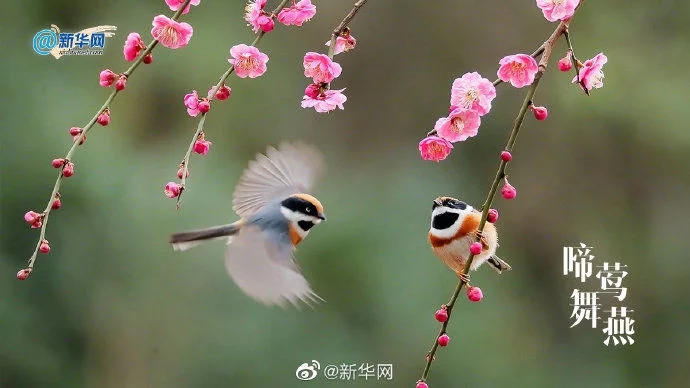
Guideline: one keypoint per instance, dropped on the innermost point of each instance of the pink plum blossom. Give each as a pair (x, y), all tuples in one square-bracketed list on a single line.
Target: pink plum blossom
[(591, 74), (297, 14), (471, 91), (320, 67), (170, 33), (253, 11), (518, 69), (248, 61), (133, 45), (191, 102), (554, 10), (460, 125), (434, 148), (175, 5), (107, 78), (326, 101), (343, 44)]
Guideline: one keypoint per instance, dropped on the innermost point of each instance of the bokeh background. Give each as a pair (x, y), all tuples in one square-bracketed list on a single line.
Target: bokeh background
[(113, 306)]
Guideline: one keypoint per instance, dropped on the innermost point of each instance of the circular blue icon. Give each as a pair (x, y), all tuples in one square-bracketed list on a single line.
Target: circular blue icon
[(44, 41)]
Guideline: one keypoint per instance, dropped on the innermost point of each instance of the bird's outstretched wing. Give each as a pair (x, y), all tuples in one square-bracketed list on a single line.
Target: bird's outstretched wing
[(290, 169), (266, 270)]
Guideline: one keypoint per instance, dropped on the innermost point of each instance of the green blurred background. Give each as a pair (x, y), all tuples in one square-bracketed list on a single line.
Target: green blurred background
[(113, 306)]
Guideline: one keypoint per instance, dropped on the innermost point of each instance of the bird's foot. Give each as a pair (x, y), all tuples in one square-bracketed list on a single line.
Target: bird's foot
[(464, 278)]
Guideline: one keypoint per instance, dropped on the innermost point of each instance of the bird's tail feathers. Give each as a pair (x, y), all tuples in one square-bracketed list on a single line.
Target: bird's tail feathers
[(187, 240), (498, 265)]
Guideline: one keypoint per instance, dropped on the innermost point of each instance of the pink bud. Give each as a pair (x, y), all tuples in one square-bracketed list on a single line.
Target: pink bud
[(540, 112), (506, 156), (57, 163), (56, 204), (68, 170), (202, 146), (172, 190), (223, 93), (508, 191), (474, 294), (83, 139), (476, 248), (204, 106), (181, 171), (443, 340), (104, 118), (121, 82), (106, 78), (23, 274), (441, 315), (45, 247), (148, 59), (564, 64), (32, 217), (265, 23), (75, 132), (421, 384), (492, 216), (312, 91)]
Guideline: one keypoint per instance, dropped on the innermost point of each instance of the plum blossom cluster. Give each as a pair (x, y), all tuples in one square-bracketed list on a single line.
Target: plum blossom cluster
[(175, 5), (471, 97), (471, 94), (295, 15), (323, 70), (246, 62), (558, 10), (588, 75), (167, 31)]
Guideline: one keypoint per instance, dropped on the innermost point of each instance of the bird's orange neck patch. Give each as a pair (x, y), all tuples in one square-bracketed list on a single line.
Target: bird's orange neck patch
[(470, 223), (295, 237)]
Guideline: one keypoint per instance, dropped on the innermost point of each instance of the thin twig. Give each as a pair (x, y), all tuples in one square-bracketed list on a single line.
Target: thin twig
[(79, 139), (200, 127), (545, 52)]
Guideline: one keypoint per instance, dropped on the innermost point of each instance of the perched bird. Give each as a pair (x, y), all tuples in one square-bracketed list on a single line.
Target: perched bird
[(454, 227), (276, 214)]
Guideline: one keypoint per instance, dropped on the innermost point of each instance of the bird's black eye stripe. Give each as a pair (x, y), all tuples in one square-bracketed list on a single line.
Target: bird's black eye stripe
[(455, 204), (299, 205)]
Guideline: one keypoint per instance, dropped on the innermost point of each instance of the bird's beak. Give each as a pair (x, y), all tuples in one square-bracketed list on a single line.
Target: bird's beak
[(321, 216), (437, 202)]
